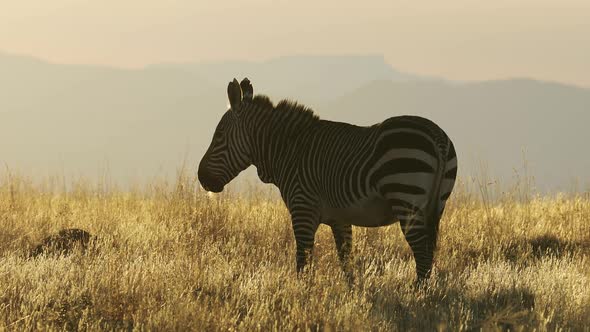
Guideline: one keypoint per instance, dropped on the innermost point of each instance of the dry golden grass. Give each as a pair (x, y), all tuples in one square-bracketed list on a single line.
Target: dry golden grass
[(171, 257)]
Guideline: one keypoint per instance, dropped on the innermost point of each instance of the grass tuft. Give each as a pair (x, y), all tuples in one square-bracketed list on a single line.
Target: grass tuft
[(172, 257)]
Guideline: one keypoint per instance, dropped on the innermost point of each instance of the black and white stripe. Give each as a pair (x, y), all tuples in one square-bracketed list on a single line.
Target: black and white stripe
[(402, 169)]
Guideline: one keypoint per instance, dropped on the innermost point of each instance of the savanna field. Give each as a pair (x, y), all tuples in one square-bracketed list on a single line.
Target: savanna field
[(170, 257)]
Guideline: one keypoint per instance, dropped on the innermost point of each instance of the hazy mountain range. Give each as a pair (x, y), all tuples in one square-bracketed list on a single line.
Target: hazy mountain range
[(137, 124)]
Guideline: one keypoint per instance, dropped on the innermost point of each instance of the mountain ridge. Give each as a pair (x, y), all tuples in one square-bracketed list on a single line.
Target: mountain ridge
[(56, 117)]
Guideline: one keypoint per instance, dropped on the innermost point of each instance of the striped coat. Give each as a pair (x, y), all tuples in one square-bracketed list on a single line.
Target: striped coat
[(401, 170)]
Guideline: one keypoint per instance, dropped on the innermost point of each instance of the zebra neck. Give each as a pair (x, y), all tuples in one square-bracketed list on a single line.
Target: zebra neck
[(275, 134), (275, 153), (273, 157)]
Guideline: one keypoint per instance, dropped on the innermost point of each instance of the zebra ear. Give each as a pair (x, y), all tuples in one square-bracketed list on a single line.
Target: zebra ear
[(247, 89), (234, 93)]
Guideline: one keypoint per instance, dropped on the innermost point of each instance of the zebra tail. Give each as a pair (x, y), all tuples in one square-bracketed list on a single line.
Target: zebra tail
[(433, 217)]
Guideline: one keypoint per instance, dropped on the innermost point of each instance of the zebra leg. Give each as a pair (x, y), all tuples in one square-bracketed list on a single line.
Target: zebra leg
[(343, 238), (422, 242), (305, 225)]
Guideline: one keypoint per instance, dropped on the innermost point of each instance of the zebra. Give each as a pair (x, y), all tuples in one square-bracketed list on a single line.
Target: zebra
[(400, 170)]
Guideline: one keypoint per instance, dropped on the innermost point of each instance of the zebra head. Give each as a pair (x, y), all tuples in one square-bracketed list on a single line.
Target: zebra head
[(228, 153)]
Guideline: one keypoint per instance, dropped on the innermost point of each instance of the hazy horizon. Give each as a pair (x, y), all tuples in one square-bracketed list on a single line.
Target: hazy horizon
[(133, 86), (137, 124), (457, 40)]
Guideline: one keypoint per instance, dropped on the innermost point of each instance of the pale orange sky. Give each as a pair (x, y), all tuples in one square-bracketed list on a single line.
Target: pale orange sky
[(456, 39)]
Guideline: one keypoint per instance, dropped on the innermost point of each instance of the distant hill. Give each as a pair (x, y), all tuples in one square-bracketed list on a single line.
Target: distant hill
[(314, 79), (135, 124), (78, 118)]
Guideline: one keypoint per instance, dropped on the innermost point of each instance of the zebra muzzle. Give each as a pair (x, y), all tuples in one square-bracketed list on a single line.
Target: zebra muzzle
[(210, 183)]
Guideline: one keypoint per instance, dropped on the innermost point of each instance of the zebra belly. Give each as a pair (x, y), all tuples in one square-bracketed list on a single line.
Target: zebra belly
[(368, 212)]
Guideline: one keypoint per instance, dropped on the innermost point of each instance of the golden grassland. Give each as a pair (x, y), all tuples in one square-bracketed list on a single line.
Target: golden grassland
[(170, 257)]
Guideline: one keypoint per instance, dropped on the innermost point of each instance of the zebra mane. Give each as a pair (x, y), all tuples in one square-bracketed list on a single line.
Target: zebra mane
[(262, 101), (296, 115)]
